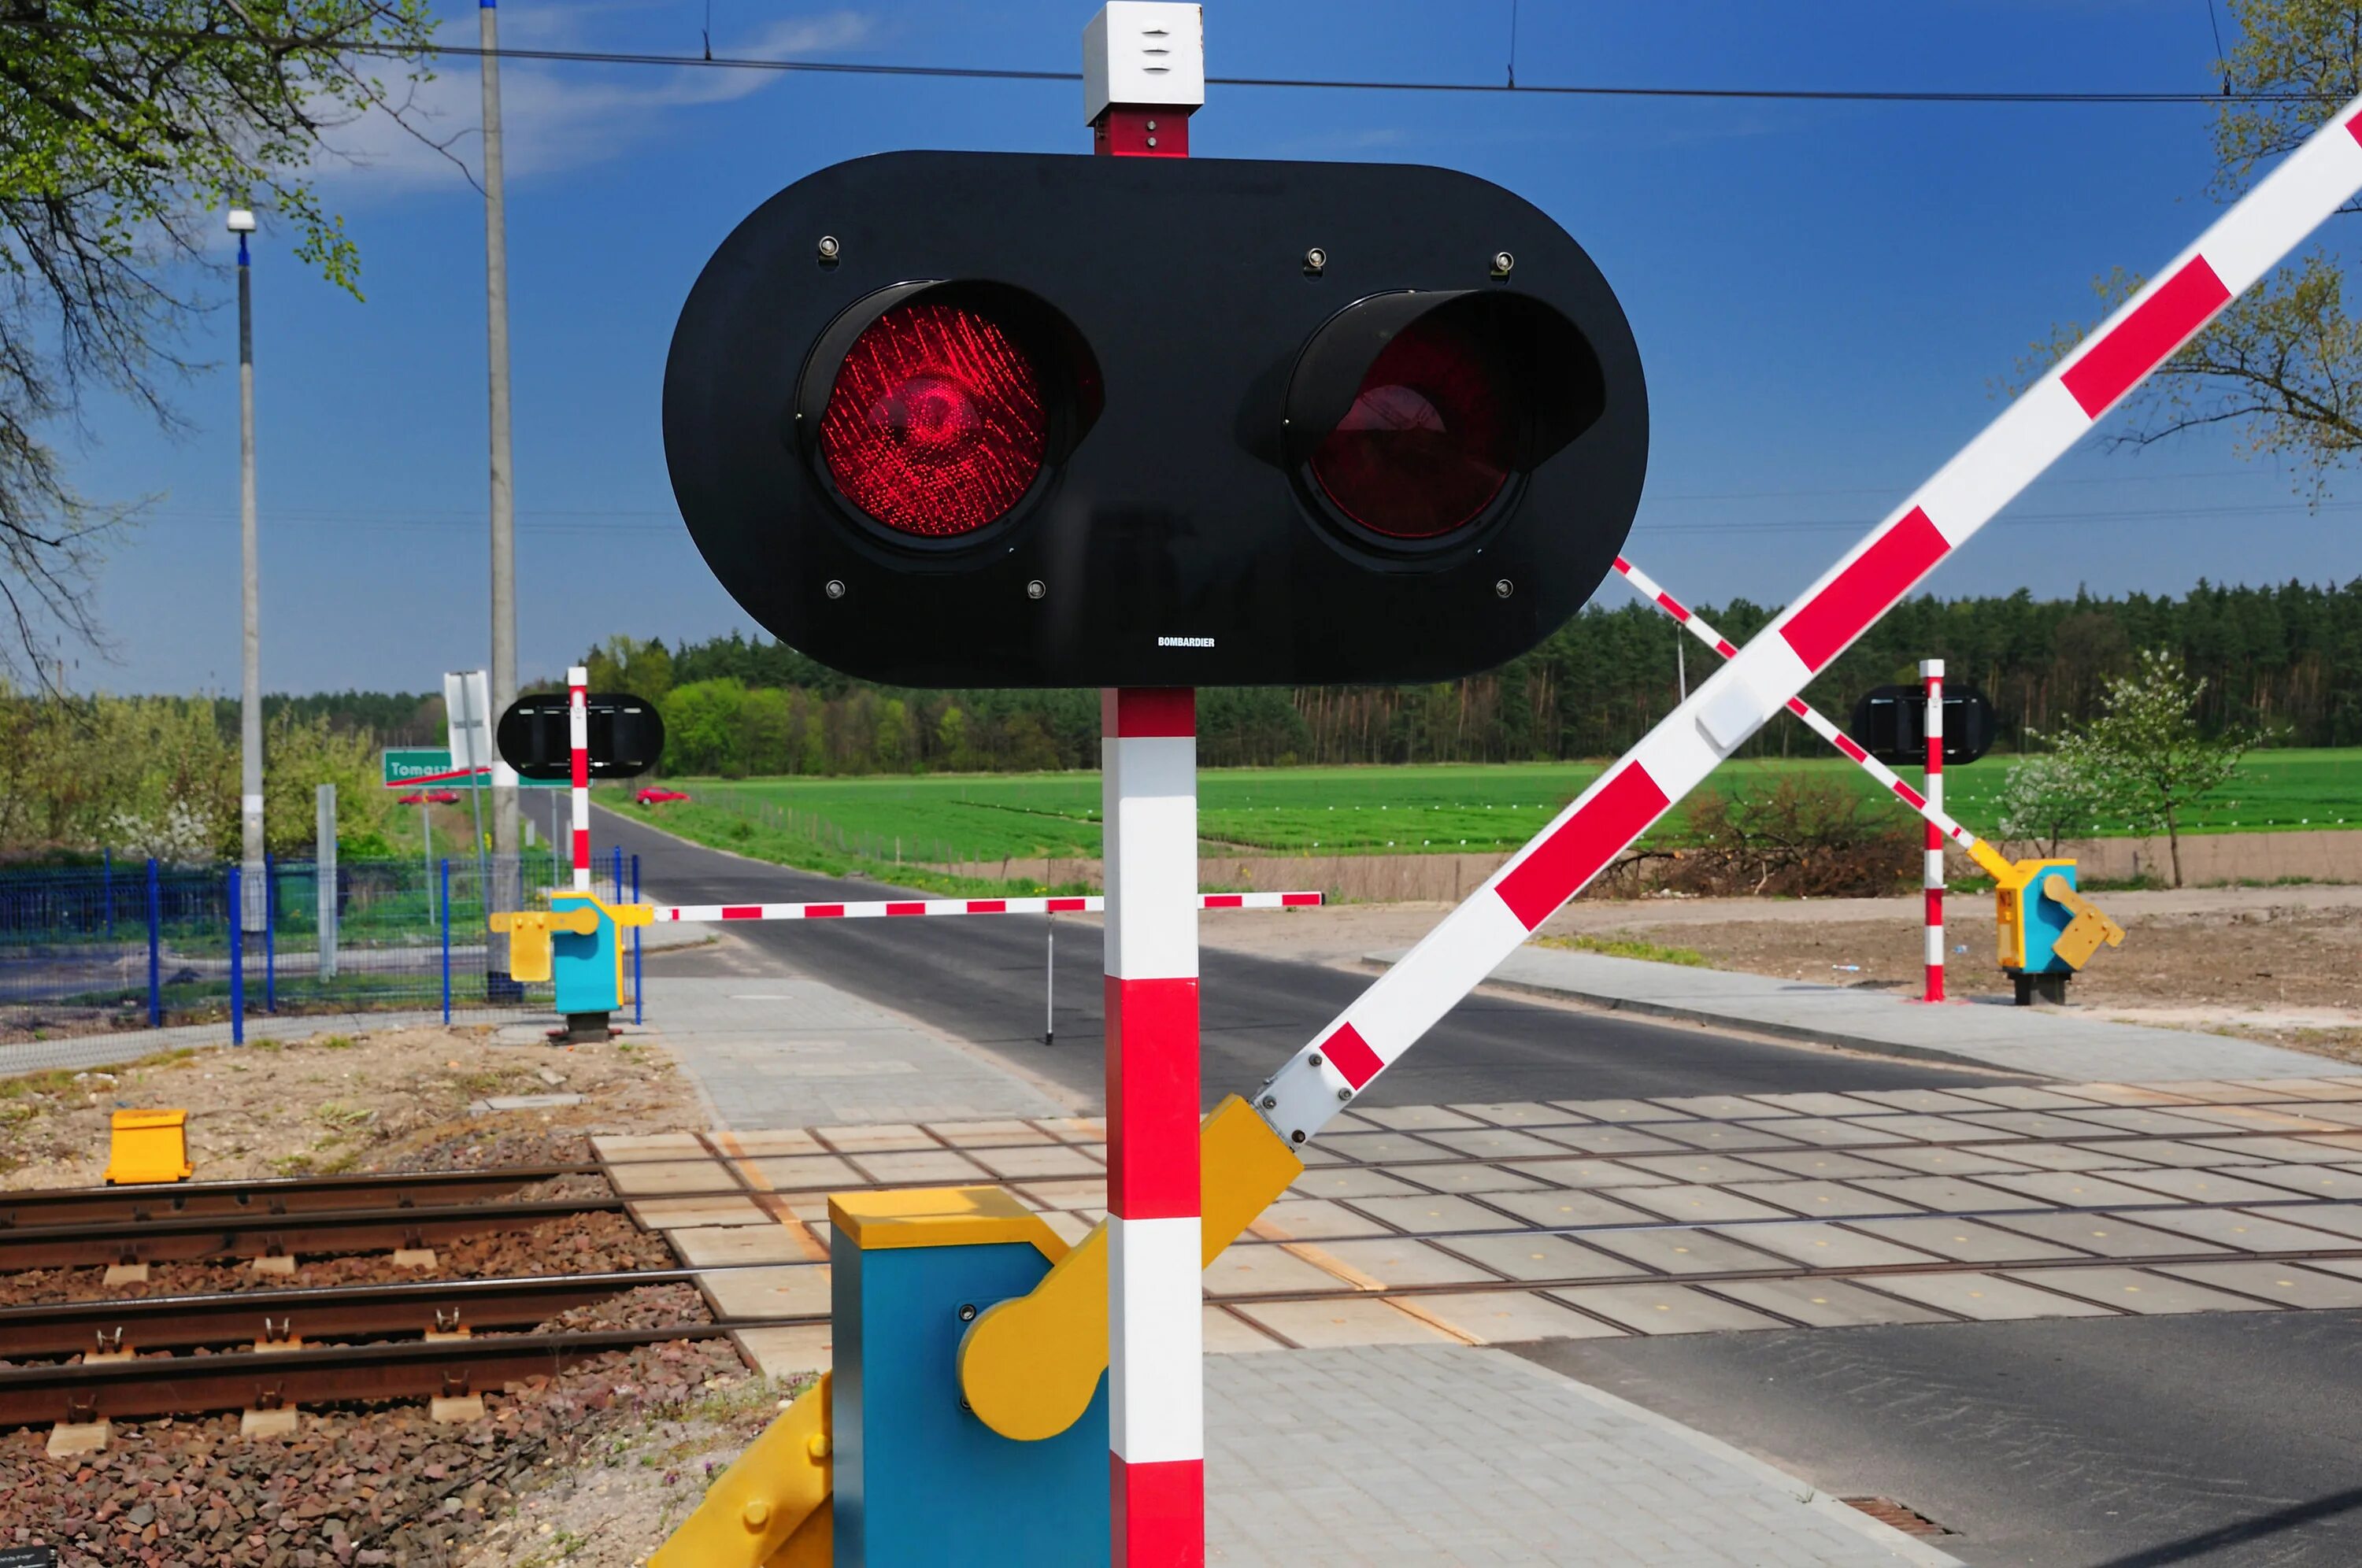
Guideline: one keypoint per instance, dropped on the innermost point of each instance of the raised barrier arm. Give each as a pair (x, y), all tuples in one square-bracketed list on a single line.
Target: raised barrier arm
[(1985, 854), (1767, 675), (1763, 678)]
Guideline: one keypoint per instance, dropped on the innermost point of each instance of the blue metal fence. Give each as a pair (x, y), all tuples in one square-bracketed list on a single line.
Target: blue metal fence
[(98, 949)]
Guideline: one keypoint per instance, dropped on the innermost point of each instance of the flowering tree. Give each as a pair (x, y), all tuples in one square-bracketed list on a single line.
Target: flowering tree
[(2146, 751)]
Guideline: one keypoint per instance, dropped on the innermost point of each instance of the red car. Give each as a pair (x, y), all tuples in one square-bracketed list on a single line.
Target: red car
[(444, 797), (415, 797), (428, 796), (653, 797)]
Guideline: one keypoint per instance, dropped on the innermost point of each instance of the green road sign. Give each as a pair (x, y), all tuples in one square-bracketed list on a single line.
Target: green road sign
[(429, 767)]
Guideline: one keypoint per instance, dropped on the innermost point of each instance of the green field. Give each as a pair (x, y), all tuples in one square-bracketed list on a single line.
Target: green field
[(838, 824)]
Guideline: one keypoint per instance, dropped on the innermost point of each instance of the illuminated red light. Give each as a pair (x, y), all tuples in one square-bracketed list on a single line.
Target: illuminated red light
[(935, 425), (1428, 442)]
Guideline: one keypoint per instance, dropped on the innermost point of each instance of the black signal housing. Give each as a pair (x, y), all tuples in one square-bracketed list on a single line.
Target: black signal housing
[(1185, 524)]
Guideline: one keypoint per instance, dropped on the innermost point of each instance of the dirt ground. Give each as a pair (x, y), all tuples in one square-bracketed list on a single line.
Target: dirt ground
[(336, 1103), (2278, 964)]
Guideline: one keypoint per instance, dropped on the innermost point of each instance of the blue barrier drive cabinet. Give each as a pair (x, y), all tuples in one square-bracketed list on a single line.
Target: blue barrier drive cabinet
[(919, 1480), (577, 943), (2047, 931)]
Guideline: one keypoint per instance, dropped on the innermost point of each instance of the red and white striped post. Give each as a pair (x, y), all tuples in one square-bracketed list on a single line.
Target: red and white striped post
[(1144, 75), (1932, 671), (578, 739)]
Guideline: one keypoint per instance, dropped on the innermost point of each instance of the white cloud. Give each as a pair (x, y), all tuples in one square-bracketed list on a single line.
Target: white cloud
[(555, 116)]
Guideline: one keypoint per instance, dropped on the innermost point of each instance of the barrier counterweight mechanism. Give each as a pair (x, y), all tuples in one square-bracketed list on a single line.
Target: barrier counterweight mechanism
[(1033, 1367)]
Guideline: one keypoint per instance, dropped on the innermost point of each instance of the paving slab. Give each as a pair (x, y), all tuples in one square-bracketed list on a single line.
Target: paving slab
[(2153, 1122), (1695, 1167), (1530, 1255), (2132, 1154), (771, 1141), (1729, 1137), (1467, 1178), (1822, 1131), (789, 1051), (1964, 1240), (1985, 1299), (1354, 1320), (1494, 1143), (1353, 1181), (2308, 1181), (1509, 1316), (1227, 1333), (2196, 1186), (2137, 1290), (792, 1350), (1051, 1160), (1824, 1303), (801, 1173), (1421, 1215), (796, 1291), (885, 1138), (620, 1146), (1699, 1205), (1313, 1219), (1585, 1173), (1720, 1106), (1518, 1458), (721, 1246), (2293, 1284), (1816, 1165), (1678, 1251), (1005, 1133), (2074, 1189), (1057, 1193), (1414, 1117), (1664, 1308), (1393, 1263), (1253, 1269), (1614, 1109), (2274, 1150), (1823, 1199), (1938, 1161), (2247, 1232), (1826, 1246), (921, 1167), (684, 1213), (2049, 1043), (1384, 1148), (1945, 1195), (657, 1178), (1518, 1113), (1610, 1140), (2108, 1237), (1562, 1211)]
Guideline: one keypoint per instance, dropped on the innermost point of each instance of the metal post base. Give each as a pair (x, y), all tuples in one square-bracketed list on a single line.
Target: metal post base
[(582, 1029), (2046, 989)]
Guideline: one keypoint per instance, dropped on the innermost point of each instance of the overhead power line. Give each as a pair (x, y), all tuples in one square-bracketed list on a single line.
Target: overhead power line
[(983, 73)]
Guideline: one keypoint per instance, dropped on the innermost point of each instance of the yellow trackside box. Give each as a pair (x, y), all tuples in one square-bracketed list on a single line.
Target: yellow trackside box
[(149, 1145)]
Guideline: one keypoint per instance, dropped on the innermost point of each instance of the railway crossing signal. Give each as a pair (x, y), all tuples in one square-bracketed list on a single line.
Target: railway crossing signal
[(626, 735), (1890, 723), (984, 419)]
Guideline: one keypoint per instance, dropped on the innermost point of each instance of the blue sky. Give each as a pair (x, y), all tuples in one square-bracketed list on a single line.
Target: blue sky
[(1825, 295)]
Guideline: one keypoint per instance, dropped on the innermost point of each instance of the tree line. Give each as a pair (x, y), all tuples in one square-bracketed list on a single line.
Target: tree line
[(2285, 661)]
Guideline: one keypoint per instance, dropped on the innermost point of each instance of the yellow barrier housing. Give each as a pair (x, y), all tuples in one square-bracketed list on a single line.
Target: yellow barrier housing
[(148, 1146)]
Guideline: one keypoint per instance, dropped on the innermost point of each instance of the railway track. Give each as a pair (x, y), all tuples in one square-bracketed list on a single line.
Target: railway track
[(30, 1208), (180, 1238)]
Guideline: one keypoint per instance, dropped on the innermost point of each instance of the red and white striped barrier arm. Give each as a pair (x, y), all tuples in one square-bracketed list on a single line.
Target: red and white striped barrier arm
[(1156, 1424), (578, 739), (1767, 674), (1938, 820), (1932, 878), (893, 908)]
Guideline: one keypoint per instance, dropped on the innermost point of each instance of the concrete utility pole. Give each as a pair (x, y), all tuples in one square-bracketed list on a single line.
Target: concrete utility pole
[(503, 498), (254, 906)]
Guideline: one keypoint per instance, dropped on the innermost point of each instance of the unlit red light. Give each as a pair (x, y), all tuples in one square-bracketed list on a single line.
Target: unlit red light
[(1428, 442), (935, 425)]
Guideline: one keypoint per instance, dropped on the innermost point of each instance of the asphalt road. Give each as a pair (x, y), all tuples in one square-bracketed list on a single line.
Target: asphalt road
[(2223, 1437), (981, 978)]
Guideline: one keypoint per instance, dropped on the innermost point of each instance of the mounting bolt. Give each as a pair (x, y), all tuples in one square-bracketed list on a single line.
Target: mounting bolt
[(967, 1312), (1344, 1094), (1151, 125), (1315, 1058), (968, 1408), (816, 1447), (1297, 1136), (758, 1514), (829, 248), (1502, 262), (836, 588), (1315, 259), (1152, 142), (1503, 588), (1271, 1102), (1036, 588)]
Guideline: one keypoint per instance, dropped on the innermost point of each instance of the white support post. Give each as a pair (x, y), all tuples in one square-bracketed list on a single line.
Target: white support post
[(1932, 671), (324, 874), (1155, 1334), (578, 738)]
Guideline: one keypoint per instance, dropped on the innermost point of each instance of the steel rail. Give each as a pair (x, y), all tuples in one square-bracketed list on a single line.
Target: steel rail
[(162, 1385), (406, 1189), (180, 1238), (404, 1307)]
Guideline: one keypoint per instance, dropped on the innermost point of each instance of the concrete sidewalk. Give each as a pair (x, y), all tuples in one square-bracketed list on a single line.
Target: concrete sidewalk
[(2047, 1042)]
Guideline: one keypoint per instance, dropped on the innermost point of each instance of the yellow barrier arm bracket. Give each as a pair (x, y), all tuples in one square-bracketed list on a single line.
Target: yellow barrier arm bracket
[(1028, 1367), (771, 1508)]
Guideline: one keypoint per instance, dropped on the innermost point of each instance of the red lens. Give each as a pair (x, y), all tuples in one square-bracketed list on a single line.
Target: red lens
[(1428, 442), (935, 423)]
